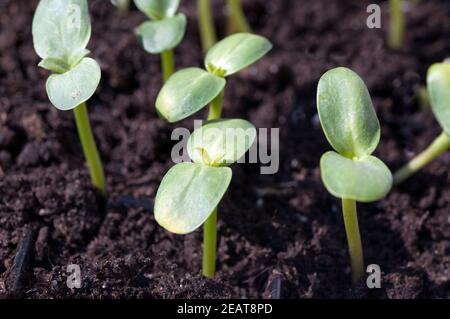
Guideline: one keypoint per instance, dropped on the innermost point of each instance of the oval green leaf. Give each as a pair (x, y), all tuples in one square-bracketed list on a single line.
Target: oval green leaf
[(236, 52), (186, 92), (366, 179), (188, 194), (221, 142), (68, 90), (159, 36), (438, 82), (61, 29), (346, 113), (158, 9)]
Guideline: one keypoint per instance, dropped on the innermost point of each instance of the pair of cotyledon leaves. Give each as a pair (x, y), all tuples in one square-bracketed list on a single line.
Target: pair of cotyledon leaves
[(351, 127), (189, 90), (61, 31), (166, 30), (189, 192)]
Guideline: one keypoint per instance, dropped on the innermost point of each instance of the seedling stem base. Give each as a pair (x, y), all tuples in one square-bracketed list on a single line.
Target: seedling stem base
[(90, 148), (210, 245), (353, 238), (439, 146)]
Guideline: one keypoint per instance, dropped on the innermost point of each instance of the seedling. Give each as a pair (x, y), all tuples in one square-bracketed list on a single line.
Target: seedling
[(206, 26), (190, 192), (237, 21), (351, 127), (61, 31), (189, 90), (122, 5), (438, 82), (397, 24), (164, 33)]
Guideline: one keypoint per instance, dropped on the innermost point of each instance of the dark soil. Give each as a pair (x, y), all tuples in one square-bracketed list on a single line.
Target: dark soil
[(280, 230)]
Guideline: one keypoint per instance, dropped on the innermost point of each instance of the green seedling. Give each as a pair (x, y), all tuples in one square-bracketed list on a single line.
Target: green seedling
[(61, 31), (350, 172), (438, 82), (206, 25), (122, 5), (164, 32), (237, 21), (189, 90), (189, 193)]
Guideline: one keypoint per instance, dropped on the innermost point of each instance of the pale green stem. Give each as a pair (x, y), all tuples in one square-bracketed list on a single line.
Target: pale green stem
[(90, 148), (237, 20), (423, 98), (353, 238), (397, 24), (210, 245), (439, 146), (210, 225), (167, 64), (123, 6), (206, 24)]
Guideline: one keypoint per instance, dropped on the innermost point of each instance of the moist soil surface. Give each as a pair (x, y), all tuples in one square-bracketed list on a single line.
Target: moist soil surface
[(281, 235)]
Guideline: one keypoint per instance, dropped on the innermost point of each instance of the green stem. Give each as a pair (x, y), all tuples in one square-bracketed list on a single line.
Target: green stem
[(237, 20), (439, 146), (397, 25), (210, 245), (90, 148), (215, 109), (167, 64), (206, 24), (123, 6), (423, 98), (353, 238), (210, 225)]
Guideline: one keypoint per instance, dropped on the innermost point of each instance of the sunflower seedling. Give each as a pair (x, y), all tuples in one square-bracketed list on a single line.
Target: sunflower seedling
[(164, 32), (438, 83), (61, 30), (190, 192), (350, 172), (189, 90)]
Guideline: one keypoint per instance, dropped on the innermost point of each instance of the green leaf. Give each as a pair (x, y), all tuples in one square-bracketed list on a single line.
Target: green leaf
[(61, 28), (366, 179), (159, 36), (236, 52), (221, 142), (186, 92), (188, 194), (158, 9), (438, 81), (68, 90), (346, 113)]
